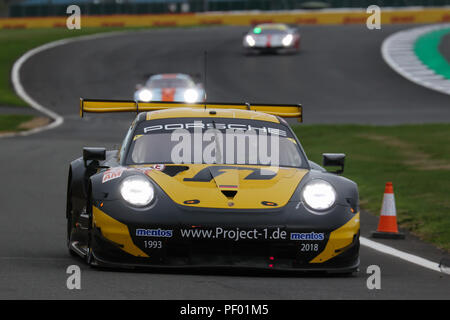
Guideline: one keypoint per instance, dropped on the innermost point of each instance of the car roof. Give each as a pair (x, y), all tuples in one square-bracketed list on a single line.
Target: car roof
[(206, 113)]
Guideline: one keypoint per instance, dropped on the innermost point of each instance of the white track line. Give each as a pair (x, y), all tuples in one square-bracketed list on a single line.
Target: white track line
[(20, 90), (400, 254), (397, 51)]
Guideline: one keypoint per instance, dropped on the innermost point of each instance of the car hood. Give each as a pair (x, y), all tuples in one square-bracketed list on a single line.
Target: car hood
[(227, 186)]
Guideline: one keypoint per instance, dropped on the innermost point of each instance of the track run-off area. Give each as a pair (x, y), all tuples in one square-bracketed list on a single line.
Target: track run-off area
[(339, 76)]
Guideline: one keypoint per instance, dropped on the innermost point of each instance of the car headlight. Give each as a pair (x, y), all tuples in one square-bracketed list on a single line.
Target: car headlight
[(287, 40), (319, 195), (145, 95), (250, 40), (190, 95), (137, 190)]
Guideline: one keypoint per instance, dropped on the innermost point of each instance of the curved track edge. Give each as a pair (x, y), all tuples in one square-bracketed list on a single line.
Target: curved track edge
[(57, 120), (397, 51)]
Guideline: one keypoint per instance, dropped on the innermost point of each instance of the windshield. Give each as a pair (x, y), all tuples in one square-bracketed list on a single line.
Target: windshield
[(224, 141), (169, 83)]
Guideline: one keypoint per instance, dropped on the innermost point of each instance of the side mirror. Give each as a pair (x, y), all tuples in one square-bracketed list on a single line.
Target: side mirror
[(94, 154), (334, 160)]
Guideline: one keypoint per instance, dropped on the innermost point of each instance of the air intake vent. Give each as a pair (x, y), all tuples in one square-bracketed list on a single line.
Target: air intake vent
[(230, 194)]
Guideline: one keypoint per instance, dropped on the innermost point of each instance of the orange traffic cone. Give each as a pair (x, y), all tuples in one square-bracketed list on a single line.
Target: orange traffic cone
[(387, 226)]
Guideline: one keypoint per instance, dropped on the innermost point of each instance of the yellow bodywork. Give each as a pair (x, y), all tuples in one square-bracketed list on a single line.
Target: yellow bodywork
[(338, 240), (116, 232), (244, 111), (205, 113), (250, 193)]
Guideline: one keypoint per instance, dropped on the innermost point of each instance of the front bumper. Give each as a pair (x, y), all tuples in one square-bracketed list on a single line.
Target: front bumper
[(276, 49), (228, 242)]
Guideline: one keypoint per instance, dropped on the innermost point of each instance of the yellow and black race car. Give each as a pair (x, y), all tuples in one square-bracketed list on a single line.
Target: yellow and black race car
[(210, 185)]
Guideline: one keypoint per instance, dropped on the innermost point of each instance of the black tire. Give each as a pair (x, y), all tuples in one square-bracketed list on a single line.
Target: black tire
[(69, 216), (89, 257)]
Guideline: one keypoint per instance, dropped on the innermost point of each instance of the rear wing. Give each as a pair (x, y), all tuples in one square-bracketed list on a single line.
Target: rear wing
[(101, 106)]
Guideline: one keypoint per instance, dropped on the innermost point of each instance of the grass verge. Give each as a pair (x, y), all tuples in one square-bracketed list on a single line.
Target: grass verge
[(12, 123), (416, 158)]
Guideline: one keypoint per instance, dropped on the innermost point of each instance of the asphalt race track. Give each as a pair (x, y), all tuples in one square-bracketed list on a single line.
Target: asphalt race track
[(339, 77)]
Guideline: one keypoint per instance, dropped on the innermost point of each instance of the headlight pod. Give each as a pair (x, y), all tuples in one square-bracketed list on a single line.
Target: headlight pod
[(190, 95), (319, 195), (137, 191), (287, 40), (145, 95), (250, 40)]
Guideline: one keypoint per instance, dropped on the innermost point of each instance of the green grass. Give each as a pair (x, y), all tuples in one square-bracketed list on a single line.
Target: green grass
[(9, 123), (416, 158), (14, 43)]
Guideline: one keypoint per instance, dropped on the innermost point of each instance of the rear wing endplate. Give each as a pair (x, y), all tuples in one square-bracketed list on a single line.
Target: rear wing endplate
[(101, 106)]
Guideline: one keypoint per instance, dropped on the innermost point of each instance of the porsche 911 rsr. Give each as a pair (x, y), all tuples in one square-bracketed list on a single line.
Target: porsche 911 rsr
[(210, 185), (176, 87), (272, 37)]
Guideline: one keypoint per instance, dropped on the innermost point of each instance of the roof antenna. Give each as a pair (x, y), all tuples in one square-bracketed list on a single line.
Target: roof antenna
[(204, 74)]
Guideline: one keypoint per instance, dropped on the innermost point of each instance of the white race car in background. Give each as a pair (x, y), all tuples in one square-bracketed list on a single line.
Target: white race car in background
[(176, 87), (272, 37)]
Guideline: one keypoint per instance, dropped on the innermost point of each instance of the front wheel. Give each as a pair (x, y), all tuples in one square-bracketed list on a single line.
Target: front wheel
[(69, 217), (90, 260)]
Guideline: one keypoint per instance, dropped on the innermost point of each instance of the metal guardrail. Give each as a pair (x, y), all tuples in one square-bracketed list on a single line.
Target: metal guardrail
[(183, 6)]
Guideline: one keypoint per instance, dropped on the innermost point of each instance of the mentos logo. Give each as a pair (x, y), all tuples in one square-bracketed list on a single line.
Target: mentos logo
[(154, 233), (307, 236)]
